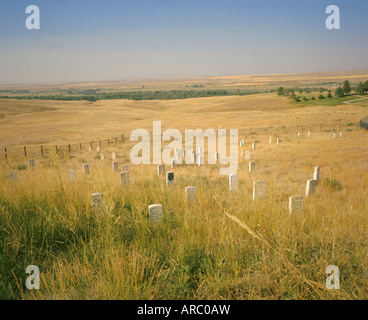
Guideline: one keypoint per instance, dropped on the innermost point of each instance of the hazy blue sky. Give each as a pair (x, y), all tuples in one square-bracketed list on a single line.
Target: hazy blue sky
[(82, 40)]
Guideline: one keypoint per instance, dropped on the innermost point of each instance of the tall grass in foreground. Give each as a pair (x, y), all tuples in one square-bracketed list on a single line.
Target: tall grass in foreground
[(198, 252)]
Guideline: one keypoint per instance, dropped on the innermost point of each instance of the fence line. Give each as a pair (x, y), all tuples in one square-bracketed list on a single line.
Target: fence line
[(43, 149)]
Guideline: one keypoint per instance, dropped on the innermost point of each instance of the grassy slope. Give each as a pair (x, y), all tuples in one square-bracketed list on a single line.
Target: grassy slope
[(198, 253)]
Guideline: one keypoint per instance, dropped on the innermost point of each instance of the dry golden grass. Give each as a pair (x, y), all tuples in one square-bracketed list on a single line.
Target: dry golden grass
[(198, 252)]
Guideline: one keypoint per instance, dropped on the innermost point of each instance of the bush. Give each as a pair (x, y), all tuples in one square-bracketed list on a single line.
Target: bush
[(22, 167), (313, 98), (333, 183), (320, 97)]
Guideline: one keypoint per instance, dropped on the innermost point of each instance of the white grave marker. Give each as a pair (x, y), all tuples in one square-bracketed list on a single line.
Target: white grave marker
[(97, 202), (253, 146), (125, 178), (98, 149), (316, 173), (113, 156), (161, 170), (200, 160), (86, 168), (173, 163), (259, 189), (115, 166), (296, 204), (179, 156), (233, 182), (170, 178), (311, 187), (190, 194), (155, 213), (252, 166), (72, 175), (270, 140), (278, 141), (102, 156)]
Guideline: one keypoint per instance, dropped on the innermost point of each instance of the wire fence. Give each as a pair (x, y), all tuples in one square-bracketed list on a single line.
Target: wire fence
[(46, 149)]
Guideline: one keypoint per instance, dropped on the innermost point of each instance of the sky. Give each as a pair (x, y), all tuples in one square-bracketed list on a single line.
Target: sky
[(90, 40)]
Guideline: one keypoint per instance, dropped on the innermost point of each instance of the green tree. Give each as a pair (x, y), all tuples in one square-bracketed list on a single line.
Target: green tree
[(280, 91), (360, 89), (366, 86), (346, 87), (339, 92)]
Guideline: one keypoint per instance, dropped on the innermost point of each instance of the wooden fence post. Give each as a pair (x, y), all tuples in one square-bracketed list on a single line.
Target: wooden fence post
[(41, 150), (25, 151), (6, 154)]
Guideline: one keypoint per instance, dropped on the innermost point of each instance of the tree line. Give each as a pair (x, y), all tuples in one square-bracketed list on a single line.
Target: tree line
[(137, 95), (345, 89)]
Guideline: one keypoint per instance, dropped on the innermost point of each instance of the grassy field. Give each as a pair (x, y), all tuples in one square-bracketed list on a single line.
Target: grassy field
[(198, 252)]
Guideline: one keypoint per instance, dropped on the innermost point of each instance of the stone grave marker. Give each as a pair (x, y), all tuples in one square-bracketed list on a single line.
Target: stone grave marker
[(296, 204), (161, 170), (259, 189), (115, 166), (170, 178), (252, 166), (316, 173), (97, 202), (200, 160), (233, 182), (124, 177), (173, 163), (311, 187), (190, 194), (155, 213), (72, 175), (86, 168)]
